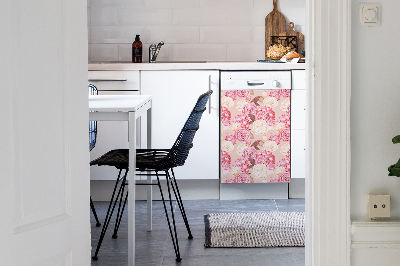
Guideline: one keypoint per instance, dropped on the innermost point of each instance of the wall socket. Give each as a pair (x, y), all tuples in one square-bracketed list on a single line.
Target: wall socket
[(378, 206)]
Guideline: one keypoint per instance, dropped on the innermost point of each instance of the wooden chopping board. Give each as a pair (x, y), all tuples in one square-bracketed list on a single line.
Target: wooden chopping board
[(292, 32), (275, 23)]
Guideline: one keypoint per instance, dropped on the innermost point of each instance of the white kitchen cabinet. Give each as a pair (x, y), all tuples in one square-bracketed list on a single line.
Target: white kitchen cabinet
[(298, 124), (174, 96), (112, 134)]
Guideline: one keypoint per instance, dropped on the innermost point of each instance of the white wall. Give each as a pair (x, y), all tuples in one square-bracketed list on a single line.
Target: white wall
[(375, 108), (375, 120), (193, 30)]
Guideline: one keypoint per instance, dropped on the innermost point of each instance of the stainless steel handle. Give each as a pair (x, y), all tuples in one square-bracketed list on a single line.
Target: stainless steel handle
[(100, 80), (209, 99), (254, 83)]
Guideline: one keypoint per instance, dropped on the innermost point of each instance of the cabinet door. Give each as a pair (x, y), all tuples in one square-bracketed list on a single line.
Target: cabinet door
[(174, 96), (298, 153)]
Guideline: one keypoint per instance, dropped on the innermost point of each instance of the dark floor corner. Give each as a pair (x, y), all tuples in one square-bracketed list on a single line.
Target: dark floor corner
[(155, 248)]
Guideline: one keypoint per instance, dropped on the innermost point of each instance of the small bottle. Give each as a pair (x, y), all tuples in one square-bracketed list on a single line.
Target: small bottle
[(137, 50)]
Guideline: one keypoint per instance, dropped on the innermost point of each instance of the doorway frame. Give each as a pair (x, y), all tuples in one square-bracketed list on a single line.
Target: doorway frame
[(328, 223)]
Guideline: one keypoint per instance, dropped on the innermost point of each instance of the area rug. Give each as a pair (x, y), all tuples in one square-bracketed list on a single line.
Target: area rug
[(238, 230)]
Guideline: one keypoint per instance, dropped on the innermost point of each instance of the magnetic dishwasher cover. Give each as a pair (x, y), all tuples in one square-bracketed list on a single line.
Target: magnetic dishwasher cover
[(255, 126)]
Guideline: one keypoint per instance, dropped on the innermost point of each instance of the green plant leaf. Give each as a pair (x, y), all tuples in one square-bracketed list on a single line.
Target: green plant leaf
[(396, 139), (394, 170)]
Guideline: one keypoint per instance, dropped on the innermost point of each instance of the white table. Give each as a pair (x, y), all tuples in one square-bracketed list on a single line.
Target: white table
[(127, 108)]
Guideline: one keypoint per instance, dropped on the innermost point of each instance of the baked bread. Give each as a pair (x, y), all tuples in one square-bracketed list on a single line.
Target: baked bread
[(277, 51), (293, 55)]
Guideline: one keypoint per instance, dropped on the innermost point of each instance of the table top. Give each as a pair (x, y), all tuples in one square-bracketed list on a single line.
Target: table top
[(117, 103)]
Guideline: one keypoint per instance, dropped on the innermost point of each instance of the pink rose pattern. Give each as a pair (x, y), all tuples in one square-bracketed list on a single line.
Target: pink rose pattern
[(254, 154)]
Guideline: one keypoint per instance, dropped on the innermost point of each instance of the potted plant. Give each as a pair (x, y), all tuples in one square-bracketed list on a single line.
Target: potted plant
[(394, 170)]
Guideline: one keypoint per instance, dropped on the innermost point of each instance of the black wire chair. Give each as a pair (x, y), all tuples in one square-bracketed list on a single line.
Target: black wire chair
[(92, 143), (149, 161)]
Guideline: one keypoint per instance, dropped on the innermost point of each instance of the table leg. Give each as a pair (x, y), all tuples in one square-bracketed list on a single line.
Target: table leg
[(132, 190), (149, 178)]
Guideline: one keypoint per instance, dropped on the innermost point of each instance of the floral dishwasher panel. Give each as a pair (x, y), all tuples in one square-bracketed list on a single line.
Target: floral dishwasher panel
[(255, 136)]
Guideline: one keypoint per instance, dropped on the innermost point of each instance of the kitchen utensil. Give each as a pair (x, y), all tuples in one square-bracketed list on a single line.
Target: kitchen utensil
[(275, 23), (292, 32)]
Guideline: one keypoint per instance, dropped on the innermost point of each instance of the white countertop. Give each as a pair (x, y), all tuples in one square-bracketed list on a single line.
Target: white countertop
[(196, 66)]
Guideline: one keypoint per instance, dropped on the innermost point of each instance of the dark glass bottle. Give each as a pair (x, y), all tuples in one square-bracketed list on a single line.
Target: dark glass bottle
[(137, 49)]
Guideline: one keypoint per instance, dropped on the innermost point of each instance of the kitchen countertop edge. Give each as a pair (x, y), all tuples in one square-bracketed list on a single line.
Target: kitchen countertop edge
[(195, 66)]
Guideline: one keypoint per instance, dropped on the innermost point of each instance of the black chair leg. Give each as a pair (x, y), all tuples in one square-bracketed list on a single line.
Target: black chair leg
[(180, 203), (109, 213), (120, 211), (94, 213), (174, 239)]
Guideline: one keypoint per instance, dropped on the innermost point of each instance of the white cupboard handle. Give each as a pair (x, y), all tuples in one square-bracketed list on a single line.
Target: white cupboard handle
[(209, 99)]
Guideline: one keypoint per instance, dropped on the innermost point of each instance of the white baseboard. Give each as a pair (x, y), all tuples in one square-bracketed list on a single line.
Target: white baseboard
[(101, 190), (254, 191), (297, 188)]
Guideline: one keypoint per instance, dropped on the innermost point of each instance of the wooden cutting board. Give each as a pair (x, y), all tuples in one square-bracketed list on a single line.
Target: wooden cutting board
[(275, 23), (299, 36)]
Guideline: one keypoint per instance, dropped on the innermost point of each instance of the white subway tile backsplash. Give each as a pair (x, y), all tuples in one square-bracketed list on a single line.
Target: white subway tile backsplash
[(192, 30), (239, 4), (224, 34), (115, 34), (246, 17), (145, 17), (88, 16), (173, 34), (125, 52), (89, 52), (226, 3), (104, 52), (172, 3), (104, 16), (199, 16), (293, 10), (245, 52), (214, 3), (199, 52), (119, 3), (258, 35)]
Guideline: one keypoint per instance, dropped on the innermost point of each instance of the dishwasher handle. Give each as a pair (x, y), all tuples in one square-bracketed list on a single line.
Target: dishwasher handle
[(249, 83)]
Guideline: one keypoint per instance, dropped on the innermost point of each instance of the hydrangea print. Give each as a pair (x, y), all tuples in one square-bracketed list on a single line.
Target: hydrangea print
[(243, 135), (255, 136), (242, 178), (244, 121), (225, 160), (244, 94)]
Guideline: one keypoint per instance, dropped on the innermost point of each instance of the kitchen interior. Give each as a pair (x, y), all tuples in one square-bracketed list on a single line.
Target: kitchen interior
[(188, 48)]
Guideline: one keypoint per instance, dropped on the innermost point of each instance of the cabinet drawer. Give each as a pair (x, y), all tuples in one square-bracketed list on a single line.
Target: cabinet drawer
[(115, 80), (298, 79)]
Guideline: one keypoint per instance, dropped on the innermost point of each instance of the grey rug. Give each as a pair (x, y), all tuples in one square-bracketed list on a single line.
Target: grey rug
[(271, 229)]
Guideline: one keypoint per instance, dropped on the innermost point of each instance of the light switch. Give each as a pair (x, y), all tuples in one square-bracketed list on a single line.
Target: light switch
[(369, 14)]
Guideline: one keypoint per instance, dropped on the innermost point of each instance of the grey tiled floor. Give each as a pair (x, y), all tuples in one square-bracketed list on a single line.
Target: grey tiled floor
[(155, 248)]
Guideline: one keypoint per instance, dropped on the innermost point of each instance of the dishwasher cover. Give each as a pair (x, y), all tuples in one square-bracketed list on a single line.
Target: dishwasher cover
[(255, 136)]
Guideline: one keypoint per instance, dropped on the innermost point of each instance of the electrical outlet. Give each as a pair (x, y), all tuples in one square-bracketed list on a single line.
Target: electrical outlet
[(378, 206)]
